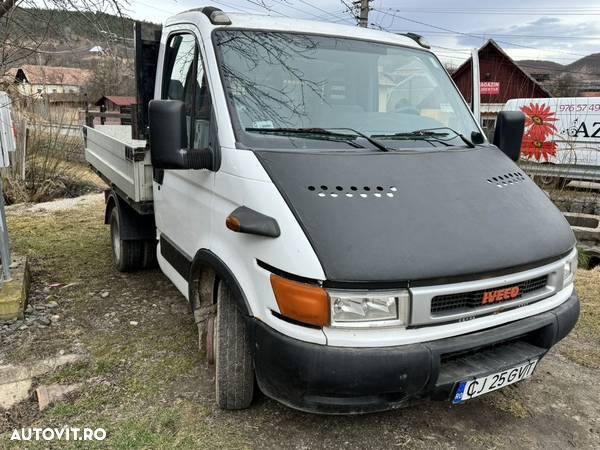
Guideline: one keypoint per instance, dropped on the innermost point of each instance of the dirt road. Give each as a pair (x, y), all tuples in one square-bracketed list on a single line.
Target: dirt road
[(144, 382)]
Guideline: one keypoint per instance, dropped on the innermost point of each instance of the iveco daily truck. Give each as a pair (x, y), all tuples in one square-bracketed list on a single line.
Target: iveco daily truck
[(346, 236)]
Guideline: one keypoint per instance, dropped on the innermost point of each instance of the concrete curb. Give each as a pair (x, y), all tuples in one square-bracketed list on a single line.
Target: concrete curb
[(14, 293)]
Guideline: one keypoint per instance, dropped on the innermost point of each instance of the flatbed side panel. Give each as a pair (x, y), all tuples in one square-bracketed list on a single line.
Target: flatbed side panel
[(126, 167)]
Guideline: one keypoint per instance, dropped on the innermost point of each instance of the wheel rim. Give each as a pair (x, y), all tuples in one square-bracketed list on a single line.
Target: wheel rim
[(210, 340), (116, 240)]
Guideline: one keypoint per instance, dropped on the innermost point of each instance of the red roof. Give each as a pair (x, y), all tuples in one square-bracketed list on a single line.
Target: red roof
[(69, 76), (497, 66), (118, 100)]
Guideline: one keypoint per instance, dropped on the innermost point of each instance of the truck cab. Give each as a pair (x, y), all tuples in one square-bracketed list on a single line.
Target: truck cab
[(347, 238)]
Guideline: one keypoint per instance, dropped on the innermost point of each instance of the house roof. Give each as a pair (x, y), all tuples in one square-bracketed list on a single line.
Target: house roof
[(118, 100), (69, 76), (495, 46)]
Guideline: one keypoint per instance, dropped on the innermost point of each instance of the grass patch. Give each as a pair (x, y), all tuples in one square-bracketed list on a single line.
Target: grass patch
[(66, 247), (139, 382), (583, 347)]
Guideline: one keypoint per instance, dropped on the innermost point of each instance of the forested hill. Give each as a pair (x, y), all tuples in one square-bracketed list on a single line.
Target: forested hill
[(62, 38)]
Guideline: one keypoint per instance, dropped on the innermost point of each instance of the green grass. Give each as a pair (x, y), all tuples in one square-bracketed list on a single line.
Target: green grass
[(583, 346), (138, 382), (67, 246)]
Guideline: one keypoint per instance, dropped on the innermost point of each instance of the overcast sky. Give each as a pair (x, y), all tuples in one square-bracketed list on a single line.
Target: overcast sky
[(561, 31)]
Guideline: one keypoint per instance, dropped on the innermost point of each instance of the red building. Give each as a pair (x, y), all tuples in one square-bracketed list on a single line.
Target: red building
[(501, 80), (116, 103), (119, 104)]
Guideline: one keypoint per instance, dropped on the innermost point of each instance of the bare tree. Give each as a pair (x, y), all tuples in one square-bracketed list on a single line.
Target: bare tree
[(19, 40), (112, 76), (6, 6), (78, 5), (566, 86)]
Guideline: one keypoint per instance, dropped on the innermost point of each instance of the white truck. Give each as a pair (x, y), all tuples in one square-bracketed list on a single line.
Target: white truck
[(562, 138), (323, 197)]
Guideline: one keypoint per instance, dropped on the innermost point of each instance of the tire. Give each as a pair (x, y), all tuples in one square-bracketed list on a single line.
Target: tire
[(150, 261), (234, 372), (549, 182), (553, 183), (128, 255)]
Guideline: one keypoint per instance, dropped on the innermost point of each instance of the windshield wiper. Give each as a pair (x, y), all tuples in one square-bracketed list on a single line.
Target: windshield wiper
[(323, 133), (369, 139), (309, 133), (426, 134)]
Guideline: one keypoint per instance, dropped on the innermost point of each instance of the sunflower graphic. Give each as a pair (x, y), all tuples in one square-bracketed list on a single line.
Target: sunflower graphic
[(540, 117), (536, 146)]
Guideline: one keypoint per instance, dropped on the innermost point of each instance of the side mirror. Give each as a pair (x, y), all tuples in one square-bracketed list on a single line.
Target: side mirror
[(508, 135), (167, 122)]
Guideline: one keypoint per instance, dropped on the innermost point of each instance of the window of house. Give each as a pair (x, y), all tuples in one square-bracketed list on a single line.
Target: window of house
[(489, 126)]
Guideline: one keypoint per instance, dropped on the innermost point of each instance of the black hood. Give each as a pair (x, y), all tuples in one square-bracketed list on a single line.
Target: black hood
[(397, 217)]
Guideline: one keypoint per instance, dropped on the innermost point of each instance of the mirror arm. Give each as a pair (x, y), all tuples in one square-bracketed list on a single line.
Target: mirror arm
[(197, 158)]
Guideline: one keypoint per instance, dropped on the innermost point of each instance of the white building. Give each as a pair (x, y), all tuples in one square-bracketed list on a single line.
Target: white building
[(36, 81)]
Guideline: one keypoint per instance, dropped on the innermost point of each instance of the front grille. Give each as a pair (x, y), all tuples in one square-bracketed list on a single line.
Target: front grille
[(472, 300)]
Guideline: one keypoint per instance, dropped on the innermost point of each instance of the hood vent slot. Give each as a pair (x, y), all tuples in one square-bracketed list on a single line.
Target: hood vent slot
[(507, 179), (352, 192)]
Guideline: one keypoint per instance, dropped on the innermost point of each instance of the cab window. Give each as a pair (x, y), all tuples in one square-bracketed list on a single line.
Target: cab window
[(185, 80)]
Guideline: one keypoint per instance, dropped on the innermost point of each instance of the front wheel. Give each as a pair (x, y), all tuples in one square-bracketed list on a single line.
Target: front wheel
[(234, 371)]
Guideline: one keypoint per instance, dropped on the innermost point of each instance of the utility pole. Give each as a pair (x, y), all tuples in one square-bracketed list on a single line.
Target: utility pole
[(362, 6)]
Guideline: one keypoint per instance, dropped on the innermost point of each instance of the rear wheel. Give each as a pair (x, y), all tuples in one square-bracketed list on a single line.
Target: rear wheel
[(128, 255), (549, 182), (150, 261), (234, 372)]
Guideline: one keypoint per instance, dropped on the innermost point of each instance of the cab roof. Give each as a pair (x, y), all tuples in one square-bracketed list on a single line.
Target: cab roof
[(285, 24)]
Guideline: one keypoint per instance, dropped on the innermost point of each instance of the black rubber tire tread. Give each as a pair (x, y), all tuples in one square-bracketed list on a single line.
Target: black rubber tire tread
[(234, 372), (131, 255), (554, 183), (150, 260)]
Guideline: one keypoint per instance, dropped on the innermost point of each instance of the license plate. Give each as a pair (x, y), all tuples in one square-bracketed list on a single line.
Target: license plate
[(474, 388)]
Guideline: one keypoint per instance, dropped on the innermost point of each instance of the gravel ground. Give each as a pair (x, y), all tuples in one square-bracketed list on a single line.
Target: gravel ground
[(144, 382)]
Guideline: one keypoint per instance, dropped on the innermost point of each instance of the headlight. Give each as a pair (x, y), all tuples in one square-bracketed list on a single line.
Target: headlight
[(569, 270), (369, 308)]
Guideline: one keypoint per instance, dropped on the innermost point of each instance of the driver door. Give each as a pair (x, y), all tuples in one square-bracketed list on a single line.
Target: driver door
[(183, 198)]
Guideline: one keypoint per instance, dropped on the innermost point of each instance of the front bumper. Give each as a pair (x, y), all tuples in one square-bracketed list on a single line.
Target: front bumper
[(340, 380)]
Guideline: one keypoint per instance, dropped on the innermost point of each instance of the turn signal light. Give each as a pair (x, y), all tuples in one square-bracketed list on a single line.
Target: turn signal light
[(233, 223), (301, 302)]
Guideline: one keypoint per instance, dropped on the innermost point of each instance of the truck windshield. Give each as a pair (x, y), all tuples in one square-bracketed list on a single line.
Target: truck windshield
[(284, 81)]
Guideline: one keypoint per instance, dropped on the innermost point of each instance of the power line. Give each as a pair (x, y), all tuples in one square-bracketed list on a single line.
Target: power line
[(320, 9), (303, 11), (475, 36), (512, 35), (234, 7), (522, 65), (512, 12), (268, 8)]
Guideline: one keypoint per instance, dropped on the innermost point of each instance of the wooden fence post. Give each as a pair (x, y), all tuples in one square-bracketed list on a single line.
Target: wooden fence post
[(23, 159)]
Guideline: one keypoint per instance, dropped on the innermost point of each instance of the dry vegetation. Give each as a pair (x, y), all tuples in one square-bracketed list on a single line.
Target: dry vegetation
[(584, 342), (53, 165)]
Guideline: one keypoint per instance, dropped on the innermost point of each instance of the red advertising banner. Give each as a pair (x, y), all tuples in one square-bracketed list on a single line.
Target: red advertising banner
[(489, 88)]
